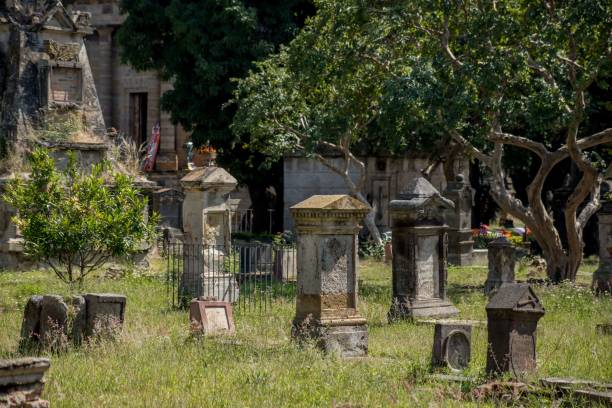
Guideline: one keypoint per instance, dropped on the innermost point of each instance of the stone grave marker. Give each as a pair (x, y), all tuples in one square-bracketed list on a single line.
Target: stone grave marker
[(327, 263), (459, 220), (210, 317), (512, 314), (452, 345), (105, 312), (602, 277), (501, 264), (419, 253)]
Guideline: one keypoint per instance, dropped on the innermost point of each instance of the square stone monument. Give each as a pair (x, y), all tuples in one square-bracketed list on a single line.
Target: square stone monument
[(459, 220), (501, 254), (210, 317), (207, 234), (419, 253), (326, 310), (512, 319)]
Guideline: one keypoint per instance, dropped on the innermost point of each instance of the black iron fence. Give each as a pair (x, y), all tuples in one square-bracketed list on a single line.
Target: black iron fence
[(242, 220), (251, 276)]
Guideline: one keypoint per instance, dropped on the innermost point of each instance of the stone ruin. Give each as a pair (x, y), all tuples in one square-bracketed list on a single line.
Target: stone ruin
[(22, 382), (54, 322), (47, 98)]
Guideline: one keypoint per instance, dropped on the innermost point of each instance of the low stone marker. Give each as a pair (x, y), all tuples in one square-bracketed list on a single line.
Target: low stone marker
[(452, 345), (501, 264), (327, 262), (105, 313), (210, 317), (52, 321), (602, 277), (419, 253), (512, 315), (22, 383)]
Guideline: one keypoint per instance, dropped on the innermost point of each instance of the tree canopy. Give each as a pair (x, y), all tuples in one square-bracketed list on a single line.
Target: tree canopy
[(483, 76), (200, 47)]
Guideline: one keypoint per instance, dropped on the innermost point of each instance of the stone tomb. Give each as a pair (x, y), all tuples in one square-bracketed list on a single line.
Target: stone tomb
[(22, 382), (419, 253), (210, 317), (502, 259), (459, 220), (452, 345), (512, 316), (327, 262), (207, 234)]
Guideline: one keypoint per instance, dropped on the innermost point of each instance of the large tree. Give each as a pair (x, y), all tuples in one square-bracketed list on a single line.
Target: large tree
[(490, 77), (201, 46), (515, 73), (320, 97)]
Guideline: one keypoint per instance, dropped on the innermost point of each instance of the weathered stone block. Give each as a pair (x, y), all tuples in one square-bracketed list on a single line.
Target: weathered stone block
[(30, 325), (452, 345), (326, 307), (21, 382), (105, 313), (78, 312), (419, 253), (512, 318), (53, 318)]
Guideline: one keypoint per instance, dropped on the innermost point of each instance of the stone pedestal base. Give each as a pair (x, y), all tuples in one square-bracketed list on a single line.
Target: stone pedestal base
[(222, 287), (347, 339), (417, 308)]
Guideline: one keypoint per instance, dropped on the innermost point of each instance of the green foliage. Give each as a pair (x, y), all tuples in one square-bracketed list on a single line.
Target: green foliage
[(60, 125), (75, 221), (201, 46), (371, 249)]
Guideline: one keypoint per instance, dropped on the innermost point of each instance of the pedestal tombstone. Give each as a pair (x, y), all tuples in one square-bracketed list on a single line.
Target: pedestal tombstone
[(602, 277), (512, 319), (326, 310), (207, 234), (459, 220), (419, 253), (501, 254)]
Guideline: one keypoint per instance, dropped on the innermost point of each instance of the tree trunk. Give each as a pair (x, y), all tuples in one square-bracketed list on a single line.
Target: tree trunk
[(369, 222)]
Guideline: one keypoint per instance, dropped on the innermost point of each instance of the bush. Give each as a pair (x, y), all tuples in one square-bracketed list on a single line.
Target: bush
[(75, 222)]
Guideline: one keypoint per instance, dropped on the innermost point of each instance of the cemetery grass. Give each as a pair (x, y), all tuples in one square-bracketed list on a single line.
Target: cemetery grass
[(155, 362)]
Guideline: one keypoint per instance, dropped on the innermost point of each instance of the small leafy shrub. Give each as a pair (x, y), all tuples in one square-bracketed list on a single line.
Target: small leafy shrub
[(59, 125), (75, 221), (369, 249)]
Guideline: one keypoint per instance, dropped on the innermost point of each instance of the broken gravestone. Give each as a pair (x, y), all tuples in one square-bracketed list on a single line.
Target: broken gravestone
[(452, 345), (22, 383), (513, 314), (52, 321)]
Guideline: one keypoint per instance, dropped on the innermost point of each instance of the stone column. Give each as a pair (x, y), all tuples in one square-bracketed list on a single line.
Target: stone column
[(419, 253), (326, 311), (459, 220), (501, 254), (602, 277), (206, 227)]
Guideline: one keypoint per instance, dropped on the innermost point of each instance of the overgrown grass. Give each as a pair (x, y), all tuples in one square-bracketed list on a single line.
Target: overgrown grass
[(155, 362)]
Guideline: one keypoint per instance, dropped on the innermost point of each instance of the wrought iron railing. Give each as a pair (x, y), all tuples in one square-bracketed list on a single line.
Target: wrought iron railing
[(251, 276)]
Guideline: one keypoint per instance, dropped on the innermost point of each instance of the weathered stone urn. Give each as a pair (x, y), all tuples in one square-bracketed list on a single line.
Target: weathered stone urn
[(419, 253), (327, 262)]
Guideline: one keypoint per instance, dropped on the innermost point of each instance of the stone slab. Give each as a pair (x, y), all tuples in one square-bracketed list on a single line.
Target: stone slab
[(208, 317), (22, 371), (346, 341)]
